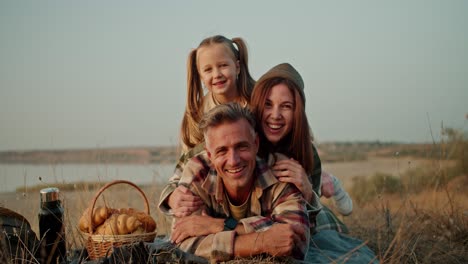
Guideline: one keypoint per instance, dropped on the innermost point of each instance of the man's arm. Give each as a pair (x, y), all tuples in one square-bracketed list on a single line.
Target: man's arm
[(288, 206), (282, 205), (192, 202), (278, 240), (285, 230)]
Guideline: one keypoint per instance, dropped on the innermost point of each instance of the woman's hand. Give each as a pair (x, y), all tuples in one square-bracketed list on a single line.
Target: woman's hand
[(195, 225), (183, 202), (291, 171)]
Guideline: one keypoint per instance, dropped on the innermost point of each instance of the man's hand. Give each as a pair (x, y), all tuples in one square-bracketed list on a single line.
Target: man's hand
[(183, 202), (195, 225), (281, 239)]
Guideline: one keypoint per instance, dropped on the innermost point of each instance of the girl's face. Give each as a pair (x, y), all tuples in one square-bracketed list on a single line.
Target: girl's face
[(277, 118), (218, 70)]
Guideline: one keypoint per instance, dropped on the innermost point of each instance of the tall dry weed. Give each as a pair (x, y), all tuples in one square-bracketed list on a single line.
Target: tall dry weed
[(426, 227)]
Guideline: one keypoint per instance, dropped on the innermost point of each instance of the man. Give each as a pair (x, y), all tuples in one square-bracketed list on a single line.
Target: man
[(246, 211)]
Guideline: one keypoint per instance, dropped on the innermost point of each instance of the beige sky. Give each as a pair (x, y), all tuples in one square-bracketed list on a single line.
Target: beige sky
[(112, 73)]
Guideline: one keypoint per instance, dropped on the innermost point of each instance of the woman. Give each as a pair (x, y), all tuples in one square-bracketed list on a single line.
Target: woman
[(278, 101), (284, 128)]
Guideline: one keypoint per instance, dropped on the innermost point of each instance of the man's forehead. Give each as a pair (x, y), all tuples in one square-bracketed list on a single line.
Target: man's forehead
[(229, 134)]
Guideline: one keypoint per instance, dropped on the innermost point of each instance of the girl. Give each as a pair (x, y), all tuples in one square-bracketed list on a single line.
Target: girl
[(223, 70), (221, 66)]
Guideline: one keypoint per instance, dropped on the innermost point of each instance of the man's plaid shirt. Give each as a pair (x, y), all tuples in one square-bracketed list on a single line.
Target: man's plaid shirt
[(271, 202)]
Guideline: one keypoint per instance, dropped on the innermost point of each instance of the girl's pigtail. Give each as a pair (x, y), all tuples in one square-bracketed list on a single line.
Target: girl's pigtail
[(194, 88), (245, 81), (192, 116)]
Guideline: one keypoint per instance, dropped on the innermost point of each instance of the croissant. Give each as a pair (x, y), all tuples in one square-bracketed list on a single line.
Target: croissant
[(148, 223), (127, 224), (119, 225), (109, 227), (100, 214)]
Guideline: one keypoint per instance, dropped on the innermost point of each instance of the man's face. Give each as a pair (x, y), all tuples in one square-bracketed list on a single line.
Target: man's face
[(232, 148)]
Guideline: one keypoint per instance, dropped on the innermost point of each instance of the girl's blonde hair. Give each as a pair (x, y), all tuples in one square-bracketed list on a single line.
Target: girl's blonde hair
[(190, 133)]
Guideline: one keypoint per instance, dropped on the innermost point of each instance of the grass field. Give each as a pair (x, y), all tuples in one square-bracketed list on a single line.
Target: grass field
[(409, 206)]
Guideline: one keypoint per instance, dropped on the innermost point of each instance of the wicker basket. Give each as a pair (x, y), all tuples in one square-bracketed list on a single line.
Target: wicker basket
[(99, 246)]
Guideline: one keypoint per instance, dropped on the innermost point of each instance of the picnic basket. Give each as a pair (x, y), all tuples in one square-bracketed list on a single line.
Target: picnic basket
[(98, 245)]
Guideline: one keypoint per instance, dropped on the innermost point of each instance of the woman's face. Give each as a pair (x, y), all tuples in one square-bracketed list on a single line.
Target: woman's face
[(218, 71), (277, 118)]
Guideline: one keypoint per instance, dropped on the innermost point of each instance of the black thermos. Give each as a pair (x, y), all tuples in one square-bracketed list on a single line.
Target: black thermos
[(51, 228)]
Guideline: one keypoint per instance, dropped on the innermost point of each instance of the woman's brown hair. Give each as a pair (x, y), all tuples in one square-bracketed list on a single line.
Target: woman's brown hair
[(298, 143)]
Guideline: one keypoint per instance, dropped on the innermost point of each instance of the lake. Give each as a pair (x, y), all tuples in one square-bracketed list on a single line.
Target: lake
[(13, 176)]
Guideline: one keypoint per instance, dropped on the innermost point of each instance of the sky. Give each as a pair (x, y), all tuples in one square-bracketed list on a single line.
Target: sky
[(98, 74)]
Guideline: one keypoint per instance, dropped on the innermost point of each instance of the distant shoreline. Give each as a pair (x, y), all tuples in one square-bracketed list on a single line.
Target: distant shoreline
[(129, 155), (329, 152)]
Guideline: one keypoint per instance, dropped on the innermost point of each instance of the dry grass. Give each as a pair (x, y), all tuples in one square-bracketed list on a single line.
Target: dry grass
[(427, 227), (77, 198), (401, 223)]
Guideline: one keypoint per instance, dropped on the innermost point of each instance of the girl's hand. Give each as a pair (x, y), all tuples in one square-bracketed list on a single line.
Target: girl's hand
[(291, 171), (183, 202), (327, 185)]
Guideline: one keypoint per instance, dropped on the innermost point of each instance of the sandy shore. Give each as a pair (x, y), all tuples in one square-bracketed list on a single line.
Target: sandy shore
[(396, 166)]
